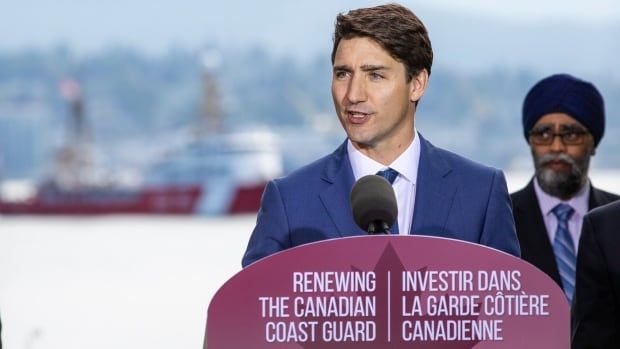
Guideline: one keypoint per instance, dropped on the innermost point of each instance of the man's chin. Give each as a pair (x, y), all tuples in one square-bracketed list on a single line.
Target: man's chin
[(551, 172), (359, 139), (562, 184), (360, 144)]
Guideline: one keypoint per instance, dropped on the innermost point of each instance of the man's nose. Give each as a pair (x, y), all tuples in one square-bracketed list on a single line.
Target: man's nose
[(557, 145), (356, 91)]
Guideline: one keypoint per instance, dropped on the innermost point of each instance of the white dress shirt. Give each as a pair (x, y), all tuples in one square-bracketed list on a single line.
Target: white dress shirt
[(404, 185), (579, 203)]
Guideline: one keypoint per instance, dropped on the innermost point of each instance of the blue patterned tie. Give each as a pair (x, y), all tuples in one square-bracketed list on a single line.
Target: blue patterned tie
[(564, 249), (390, 174)]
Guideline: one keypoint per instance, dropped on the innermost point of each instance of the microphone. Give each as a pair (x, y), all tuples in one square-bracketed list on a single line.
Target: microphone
[(373, 204)]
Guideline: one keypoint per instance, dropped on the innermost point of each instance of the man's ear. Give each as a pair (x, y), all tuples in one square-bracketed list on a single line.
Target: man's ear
[(419, 82)]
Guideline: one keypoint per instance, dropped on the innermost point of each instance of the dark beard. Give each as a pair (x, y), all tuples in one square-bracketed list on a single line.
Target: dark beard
[(563, 185)]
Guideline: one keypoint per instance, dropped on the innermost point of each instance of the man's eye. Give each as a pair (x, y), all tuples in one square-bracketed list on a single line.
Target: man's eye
[(571, 135), (340, 74), (376, 76), (543, 134)]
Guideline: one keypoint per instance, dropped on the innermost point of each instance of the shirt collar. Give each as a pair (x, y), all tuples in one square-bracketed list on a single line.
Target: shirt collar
[(406, 164), (578, 202)]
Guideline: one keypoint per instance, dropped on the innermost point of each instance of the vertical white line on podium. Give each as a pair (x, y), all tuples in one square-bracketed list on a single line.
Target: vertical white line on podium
[(389, 307)]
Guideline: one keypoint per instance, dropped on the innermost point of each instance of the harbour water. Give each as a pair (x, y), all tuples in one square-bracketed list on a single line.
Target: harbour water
[(113, 282), (126, 281)]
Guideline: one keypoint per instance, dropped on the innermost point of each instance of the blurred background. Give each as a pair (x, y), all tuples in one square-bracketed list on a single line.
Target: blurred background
[(136, 138)]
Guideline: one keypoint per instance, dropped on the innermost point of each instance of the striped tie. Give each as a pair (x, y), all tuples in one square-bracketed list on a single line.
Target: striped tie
[(564, 249), (390, 174)]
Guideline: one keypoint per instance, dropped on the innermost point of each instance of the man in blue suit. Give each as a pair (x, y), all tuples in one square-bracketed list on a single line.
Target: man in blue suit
[(382, 59)]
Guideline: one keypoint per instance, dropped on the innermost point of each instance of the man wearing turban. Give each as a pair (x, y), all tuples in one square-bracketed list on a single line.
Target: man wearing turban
[(563, 123)]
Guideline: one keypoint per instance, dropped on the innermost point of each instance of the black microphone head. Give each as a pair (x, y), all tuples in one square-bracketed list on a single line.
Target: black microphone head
[(373, 201)]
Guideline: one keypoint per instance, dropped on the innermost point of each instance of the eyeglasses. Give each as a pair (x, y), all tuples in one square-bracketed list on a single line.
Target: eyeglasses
[(546, 136)]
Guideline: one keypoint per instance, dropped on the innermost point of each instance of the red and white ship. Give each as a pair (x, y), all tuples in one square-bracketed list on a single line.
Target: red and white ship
[(214, 172), (224, 174)]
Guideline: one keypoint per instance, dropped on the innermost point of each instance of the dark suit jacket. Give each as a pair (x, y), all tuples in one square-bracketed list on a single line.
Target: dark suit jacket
[(535, 245), (455, 198), (596, 307)]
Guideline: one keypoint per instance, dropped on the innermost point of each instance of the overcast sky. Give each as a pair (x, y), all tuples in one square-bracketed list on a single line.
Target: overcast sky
[(303, 28)]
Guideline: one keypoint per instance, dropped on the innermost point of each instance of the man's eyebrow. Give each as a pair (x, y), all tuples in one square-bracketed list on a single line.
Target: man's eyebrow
[(572, 127), (543, 127), (365, 67), (373, 67), (551, 126)]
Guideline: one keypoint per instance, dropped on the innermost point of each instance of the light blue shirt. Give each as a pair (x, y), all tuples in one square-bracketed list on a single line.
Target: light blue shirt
[(579, 203), (404, 186)]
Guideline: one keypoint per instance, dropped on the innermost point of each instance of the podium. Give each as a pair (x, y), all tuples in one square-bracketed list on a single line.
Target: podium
[(389, 292)]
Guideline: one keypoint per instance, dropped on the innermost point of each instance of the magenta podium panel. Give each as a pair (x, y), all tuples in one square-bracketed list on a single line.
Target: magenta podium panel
[(389, 292)]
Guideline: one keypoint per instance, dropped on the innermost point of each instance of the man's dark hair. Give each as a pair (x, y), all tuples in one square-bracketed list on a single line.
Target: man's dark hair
[(398, 30)]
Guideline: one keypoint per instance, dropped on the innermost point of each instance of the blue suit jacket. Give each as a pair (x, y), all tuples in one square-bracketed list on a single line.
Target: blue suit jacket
[(455, 198)]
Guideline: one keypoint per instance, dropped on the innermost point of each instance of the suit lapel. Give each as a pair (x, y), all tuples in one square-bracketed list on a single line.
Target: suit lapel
[(532, 232), (338, 176), (434, 193), (597, 198)]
